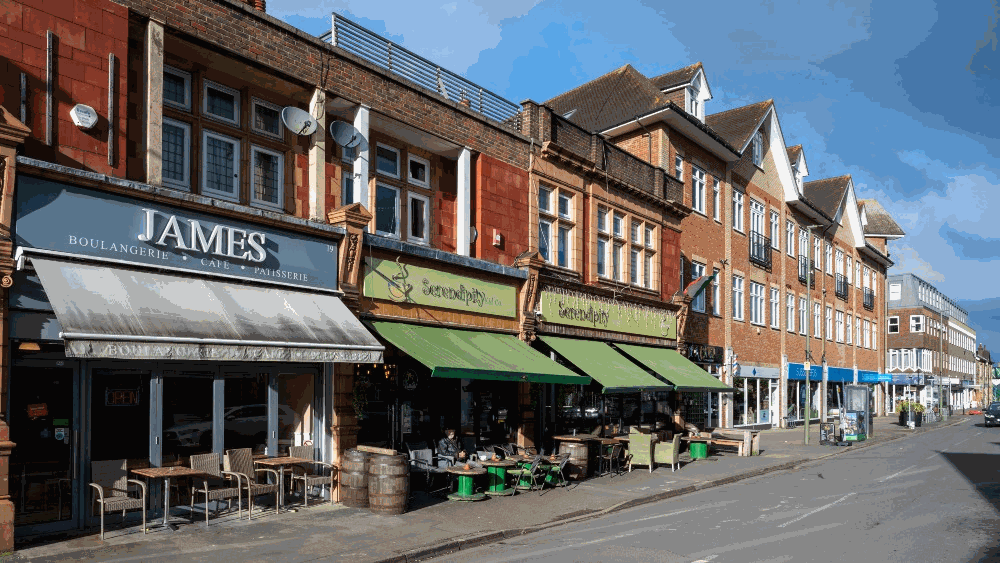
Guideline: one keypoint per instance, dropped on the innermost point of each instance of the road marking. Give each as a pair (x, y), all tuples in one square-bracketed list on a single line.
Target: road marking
[(887, 477), (764, 541), (810, 513)]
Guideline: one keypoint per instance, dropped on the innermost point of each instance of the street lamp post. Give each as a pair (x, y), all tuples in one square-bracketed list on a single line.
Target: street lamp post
[(807, 364)]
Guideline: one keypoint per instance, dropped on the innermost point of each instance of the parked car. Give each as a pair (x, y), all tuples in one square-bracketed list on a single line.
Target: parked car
[(242, 423), (991, 415)]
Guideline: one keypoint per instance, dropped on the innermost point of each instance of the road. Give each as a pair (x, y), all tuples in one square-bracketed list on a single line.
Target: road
[(932, 497)]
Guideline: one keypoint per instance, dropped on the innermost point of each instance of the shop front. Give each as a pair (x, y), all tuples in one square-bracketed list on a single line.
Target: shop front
[(147, 331), (798, 391), (904, 387), (711, 359), (756, 399)]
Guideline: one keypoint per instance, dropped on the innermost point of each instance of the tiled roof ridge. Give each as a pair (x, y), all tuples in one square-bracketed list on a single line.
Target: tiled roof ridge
[(620, 69), (746, 107), (679, 72)]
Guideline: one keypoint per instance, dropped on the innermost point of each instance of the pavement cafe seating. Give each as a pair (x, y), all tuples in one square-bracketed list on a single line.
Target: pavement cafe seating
[(496, 470), (528, 476), (466, 490), (111, 489), (319, 473), (212, 485), (665, 453), (241, 462)]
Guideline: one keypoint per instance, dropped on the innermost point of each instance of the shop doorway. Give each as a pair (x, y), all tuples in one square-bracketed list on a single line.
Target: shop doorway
[(45, 464)]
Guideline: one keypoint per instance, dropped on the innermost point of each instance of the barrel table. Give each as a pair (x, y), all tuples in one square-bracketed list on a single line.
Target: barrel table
[(496, 469), (466, 491), (388, 483), (579, 457), (354, 479)]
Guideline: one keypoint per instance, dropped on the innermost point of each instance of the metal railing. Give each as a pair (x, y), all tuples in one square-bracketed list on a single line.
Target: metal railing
[(804, 265), (869, 302), (378, 50), (841, 288), (760, 250)]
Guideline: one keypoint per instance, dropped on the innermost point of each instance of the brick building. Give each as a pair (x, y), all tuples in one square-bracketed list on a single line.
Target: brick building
[(930, 344)]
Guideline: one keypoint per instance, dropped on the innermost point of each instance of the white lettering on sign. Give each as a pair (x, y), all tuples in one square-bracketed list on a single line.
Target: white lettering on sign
[(226, 242)]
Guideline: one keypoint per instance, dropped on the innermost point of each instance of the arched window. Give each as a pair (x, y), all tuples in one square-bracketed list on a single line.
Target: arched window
[(758, 149)]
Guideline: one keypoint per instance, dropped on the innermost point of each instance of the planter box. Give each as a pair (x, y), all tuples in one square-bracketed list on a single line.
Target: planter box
[(904, 417)]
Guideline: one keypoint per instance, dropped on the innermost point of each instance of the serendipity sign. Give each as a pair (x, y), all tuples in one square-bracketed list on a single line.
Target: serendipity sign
[(577, 309), (406, 283), (57, 216)]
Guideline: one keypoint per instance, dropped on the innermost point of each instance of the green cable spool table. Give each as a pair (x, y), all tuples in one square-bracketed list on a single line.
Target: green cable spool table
[(698, 449), (497, 476), (465, 483)]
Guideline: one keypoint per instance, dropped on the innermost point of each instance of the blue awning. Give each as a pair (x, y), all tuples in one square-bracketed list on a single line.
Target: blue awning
[(840, 374), (798, 371), (906, 378), (873, 377)]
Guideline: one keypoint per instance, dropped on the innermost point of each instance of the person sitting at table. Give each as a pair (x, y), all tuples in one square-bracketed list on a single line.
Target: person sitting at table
[(448, 447)]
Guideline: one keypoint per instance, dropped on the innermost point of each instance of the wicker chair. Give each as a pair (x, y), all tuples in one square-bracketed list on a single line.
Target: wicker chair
[(214, 490), (241, 462), (111, 484), (300, 475)]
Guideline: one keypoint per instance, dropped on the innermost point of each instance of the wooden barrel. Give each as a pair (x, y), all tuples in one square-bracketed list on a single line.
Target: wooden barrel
[(577, 468), (388, 483), (354, 479)]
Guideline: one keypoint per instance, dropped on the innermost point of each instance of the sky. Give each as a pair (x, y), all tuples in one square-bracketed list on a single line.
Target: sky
[(902, 95)]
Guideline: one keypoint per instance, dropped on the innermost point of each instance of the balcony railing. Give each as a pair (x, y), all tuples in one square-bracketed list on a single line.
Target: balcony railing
[(804, 265), (869, 299), (841, 288), (760, 250), (363, 43)]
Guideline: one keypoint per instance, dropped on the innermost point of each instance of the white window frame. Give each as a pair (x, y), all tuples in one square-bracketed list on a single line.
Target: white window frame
[(559, 227), (617, 265), (839, 262), (867, 334), (775, 231), (184, 184), (840, 326), (679, 167), (222, 88), (280, 205), (893, 359), (828, 256), (399, 216), (716, 294), (790, 238), (756, 217), (426, 239), (346, 187), (427, 168), (602, 217), (648, 267), (857, 332), (895, 289), (850, 329), (698, 189), (738, 198), (549, 238), (892, 324), (235, 196), (254, 102), (847, 269), (698, 303), (560, 197), (829, 322), (775, 308), (917, 323), (757, 303), (904, 359), (758, 149), (817, 320), (803, 317), (716, 194), (379, 171), (737, 298), (649, 235), (186, 76), (618, 224), (790, 312), (605, 253)]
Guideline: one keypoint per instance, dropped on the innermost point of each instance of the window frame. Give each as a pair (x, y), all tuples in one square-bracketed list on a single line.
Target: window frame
[(698, 304), (898, 288), (738, 204), (817, 320), (803, 316), (839, 325), (398, 234), (757, 304), (829, 322), (849, 328), (790, 238), (602, 219), (410, 196), (188, 94), (346, 186), (254, 102), (184, 185), (379, 171), (427, 168), (775, 308), (918, 324), (758, 150), (892, 322), (716, 198), (737, 298), (775, 231), (566, 241), (254, 201), (602, 257), (716, 294), (205, 190), (790, 312), (698, 189), (679, 167), (206, 84)]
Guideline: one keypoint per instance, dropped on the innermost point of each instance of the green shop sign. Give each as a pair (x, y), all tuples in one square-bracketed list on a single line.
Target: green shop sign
[(406, 283), (587, 311)]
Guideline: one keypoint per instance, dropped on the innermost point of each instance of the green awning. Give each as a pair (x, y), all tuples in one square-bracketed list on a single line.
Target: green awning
[(685, 375), (614, 371), (475, 355)]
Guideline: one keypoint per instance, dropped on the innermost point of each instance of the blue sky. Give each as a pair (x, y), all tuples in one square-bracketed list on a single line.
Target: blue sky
[(904, 96)]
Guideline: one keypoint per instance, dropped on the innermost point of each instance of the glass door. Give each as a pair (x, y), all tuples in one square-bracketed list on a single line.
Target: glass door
[(45, 425)]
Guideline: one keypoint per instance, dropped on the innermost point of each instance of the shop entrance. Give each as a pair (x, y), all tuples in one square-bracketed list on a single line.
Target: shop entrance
[(46, 461)]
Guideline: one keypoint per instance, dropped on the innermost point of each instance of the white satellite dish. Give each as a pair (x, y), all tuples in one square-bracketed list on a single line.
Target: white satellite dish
[(344, 134), (298, 121)]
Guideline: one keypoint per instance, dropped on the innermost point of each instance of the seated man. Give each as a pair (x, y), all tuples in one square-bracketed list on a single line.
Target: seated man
[(448, 447)]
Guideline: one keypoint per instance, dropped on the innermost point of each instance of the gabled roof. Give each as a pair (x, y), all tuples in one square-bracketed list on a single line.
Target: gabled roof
[(738, 125), (676, 77), (794, 153), (609, 100), (827, 195), (880, 223)]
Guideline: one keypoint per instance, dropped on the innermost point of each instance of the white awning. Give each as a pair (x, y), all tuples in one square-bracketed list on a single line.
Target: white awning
[(123, 313)]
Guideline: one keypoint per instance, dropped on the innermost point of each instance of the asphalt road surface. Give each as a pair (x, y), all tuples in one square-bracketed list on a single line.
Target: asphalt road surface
[(932, 497)]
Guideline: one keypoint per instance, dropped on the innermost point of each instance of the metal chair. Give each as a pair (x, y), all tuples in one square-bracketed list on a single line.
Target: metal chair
[(610, 458), (241, 462), (111, 484), (557, 473), (317, 478), (532, 472), (209, 465)]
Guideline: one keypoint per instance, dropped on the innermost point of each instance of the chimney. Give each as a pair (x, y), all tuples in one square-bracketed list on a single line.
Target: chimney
[(259, 5)]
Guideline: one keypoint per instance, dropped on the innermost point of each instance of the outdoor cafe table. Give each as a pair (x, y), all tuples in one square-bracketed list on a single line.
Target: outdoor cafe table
[(497, 470), (465, 481), (280, 463), (166, 473)]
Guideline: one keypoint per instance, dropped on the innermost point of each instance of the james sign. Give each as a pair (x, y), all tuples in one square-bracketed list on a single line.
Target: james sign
[(406, 283), (577, 309)]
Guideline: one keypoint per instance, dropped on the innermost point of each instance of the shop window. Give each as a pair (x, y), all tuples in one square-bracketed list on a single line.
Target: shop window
[(220, 173), (387, 161), (418, 218), (268, 178), (177, 88), (296, 392), (266, 118), (245, 414), (221, 103), (387, 210), (176, 154), (187, 415), (418, 171)]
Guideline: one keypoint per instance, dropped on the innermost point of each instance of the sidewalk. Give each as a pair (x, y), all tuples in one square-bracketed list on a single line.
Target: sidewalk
[(433, 527)]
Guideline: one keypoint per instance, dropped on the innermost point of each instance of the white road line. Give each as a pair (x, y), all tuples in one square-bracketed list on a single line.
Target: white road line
[(887, 477), (810, 513), (764, 541)]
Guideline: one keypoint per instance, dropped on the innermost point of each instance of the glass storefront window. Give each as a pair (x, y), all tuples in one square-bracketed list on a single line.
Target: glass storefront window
[(119, 416), (295, 409), (187, 415), (245, 413)]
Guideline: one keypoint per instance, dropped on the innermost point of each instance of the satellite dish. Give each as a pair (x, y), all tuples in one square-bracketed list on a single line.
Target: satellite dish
[(345, 135), (298, 121)]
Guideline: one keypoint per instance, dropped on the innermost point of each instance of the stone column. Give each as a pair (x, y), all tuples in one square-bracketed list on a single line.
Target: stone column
[(463, 204), (318, 186), (361, 158)]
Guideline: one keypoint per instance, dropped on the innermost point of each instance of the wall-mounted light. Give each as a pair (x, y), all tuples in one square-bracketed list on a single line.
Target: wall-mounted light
[(83, 116), (473, 234), (29, 347)]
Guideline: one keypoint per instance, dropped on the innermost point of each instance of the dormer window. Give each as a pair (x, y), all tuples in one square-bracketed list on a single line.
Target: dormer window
[(758, 149), (693, 105)]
